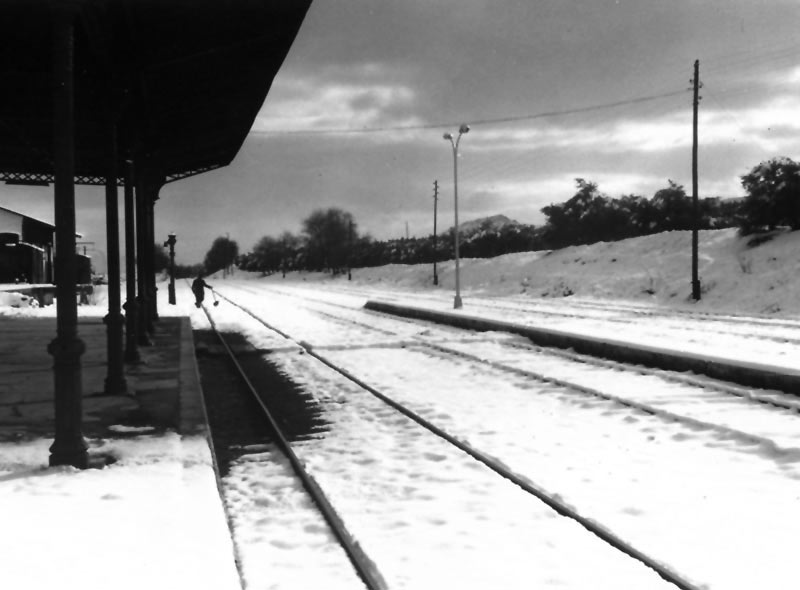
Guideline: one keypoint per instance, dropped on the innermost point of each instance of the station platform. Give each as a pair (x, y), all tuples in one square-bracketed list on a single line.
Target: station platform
[(152, 517), (745, 373), (163, 389)]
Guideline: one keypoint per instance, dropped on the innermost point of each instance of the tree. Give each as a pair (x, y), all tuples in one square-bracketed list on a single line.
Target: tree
[(585, 218), (673, 208), (291, 246), (328, 238), (160, 258), (222, 254), (266, 255), (773, 196), (642, 214)]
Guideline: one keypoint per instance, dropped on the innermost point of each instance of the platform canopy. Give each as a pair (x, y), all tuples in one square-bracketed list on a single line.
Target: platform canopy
[(183, 79)]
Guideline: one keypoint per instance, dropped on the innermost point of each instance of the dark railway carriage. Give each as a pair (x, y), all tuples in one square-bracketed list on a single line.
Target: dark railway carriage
[(84, 274), (26, 248), (21, 262)]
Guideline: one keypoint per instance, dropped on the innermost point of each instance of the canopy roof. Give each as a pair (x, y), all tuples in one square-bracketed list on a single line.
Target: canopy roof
[(184, 79)]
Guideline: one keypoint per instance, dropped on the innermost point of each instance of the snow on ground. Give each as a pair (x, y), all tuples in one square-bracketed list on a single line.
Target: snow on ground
[(151, 520), (735, 505), (694, 495), (426, 513), (16, 300)]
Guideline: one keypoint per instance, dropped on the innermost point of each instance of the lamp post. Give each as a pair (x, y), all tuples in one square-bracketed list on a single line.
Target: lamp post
[(171, 243), (449, 136)]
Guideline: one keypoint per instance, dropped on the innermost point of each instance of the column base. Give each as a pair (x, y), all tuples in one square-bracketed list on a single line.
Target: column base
[(132, 355), (69, 446), (115, 386), (74, 454)]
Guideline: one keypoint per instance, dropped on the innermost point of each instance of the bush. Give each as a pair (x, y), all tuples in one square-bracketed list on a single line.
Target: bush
[(773, 196)]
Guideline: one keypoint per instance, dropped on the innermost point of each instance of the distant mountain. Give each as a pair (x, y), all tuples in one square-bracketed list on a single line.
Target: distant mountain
[(485, 224)]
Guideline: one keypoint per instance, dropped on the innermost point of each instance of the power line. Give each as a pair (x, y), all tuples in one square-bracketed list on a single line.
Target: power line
[(505, 162), (488, 121)]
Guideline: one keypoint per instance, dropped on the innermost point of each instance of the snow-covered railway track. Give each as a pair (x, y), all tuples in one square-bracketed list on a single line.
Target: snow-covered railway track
[(718, 414), (774, 449), (727, 409), (549, 499), (750, 328), (363, 565), (663, 485)]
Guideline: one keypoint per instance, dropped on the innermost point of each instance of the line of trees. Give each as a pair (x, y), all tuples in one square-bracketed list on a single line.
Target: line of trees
[(773, 196), (591, 216), (330, 241), (222, 255)]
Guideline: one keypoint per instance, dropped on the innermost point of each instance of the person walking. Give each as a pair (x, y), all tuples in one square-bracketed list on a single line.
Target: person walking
[(198, 286)]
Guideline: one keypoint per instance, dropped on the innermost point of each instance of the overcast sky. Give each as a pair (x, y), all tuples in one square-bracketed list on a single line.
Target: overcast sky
[(553, 90)]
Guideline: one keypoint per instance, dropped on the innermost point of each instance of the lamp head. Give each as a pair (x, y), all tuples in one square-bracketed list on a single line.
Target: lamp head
[(464, 128), (447, 136)]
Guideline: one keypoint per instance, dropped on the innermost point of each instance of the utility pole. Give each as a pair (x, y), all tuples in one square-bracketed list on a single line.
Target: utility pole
[(695, 205), (350, 252), (227, 268), (406, 230), (435, 202)]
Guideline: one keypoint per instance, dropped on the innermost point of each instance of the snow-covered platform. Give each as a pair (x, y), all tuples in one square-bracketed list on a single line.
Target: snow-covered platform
[(151, 519), (739, 371)]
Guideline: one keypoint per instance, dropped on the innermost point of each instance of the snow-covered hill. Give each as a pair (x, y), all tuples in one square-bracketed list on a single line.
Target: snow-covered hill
[(484, 224), (739, 274)]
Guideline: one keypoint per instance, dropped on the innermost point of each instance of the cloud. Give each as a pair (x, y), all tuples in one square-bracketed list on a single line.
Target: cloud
[(310, 104), (560, 187), (771, 125)]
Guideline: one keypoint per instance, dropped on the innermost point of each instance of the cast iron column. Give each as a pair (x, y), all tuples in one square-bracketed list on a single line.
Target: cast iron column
[(142, 299), (115, 380), (69, 447), (131, 307), (151, 252)]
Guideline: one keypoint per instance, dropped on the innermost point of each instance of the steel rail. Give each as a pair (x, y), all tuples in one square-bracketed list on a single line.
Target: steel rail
[(540, 493), (364, 566), (711, 383)]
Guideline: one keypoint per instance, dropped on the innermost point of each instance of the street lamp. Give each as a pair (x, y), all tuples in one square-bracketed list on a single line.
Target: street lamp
[(449, 136)]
